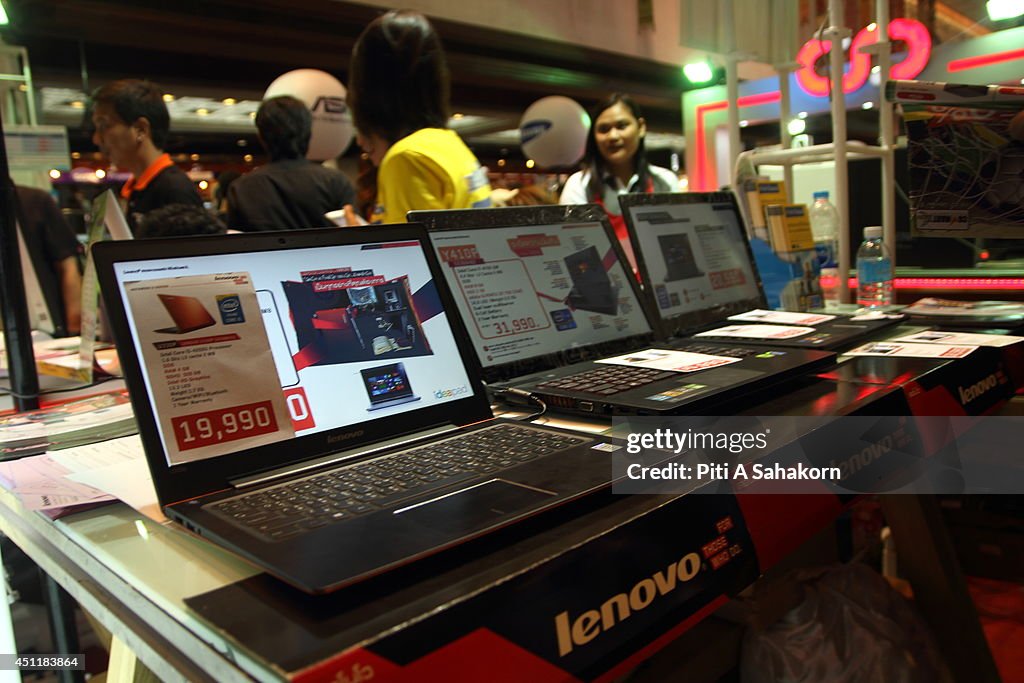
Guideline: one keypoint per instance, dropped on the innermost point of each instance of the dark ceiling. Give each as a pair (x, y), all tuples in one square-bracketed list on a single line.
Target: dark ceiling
[(237, 47)]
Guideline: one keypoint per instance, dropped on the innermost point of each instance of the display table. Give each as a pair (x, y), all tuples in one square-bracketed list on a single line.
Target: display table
[(585, 592)]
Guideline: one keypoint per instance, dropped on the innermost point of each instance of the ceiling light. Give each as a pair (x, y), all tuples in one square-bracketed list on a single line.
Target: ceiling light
[(168, 97), (229, 101), (698, 73), (100, 173), (242, 142), (868, 105), (872, 26), (248, 158), (77, 104), (55, 174), (193, 157), (529, 163), (501, 162), (744, 123), (202, 111), (23, 88), (457, 116), (876, 69), (796, 126), (999, 10), (76, 155), (203, 184), (802, 115)]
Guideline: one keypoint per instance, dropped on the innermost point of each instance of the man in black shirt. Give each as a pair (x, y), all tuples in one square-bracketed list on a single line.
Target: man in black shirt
[(53, 251), (290, 192), (132, 123)]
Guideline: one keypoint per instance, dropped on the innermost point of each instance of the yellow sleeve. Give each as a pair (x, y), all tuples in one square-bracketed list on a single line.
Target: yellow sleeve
[(411, 181)]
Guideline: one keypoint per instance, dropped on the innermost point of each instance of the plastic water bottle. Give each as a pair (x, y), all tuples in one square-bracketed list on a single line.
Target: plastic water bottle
[(825, 228), (874, 270)]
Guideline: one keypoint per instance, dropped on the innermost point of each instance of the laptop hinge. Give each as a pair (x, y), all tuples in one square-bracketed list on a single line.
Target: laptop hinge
[(338, 456)]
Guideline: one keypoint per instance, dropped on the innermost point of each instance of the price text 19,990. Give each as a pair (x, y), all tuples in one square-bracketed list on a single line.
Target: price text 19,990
[(217, 426)]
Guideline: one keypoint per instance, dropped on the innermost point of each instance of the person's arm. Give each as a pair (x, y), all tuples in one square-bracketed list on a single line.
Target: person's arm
[(236, 216), (344, 190), (575, 190), (62, 251), (71, 292)]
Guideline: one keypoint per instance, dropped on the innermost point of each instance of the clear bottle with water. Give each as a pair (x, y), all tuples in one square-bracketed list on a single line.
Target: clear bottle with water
[(825, 228), (874, 270)]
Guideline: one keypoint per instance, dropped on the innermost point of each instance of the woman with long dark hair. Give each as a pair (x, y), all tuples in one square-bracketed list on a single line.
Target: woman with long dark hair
[(398, 94), (616, 163)]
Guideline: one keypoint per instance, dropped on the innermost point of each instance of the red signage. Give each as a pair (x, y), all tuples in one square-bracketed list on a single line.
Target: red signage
[(910, 31)]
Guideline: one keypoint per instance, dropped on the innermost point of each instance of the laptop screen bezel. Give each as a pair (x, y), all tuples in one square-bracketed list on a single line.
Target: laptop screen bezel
[(186, 481), (455, 220), (684, 324)]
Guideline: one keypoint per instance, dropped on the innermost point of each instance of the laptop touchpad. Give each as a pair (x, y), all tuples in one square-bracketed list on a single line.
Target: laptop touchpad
[(476, 507)]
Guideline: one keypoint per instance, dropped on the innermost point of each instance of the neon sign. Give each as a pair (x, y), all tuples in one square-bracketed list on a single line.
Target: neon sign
[(910, 31)]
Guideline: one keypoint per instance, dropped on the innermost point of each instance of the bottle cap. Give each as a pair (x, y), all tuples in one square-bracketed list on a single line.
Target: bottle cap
[(821, 194), (873, 232)]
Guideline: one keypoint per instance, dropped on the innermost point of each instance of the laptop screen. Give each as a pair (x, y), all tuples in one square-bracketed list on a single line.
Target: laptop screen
[(694, 257), (530, 292), (239, 350)]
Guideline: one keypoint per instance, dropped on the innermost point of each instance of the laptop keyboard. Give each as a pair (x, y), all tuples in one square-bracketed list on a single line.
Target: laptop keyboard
[(609, 380), (308, 504)]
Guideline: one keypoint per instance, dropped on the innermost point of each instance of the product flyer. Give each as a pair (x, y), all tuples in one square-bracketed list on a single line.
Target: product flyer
[(672, 361), (960, 338), (213, 379), (759, 315), (757, 332), (911, 350)]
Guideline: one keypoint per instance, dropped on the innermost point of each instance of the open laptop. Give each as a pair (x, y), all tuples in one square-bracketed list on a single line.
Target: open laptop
[(387, 385), (518, 276), (717, 295), (256, 435), (187, 312)]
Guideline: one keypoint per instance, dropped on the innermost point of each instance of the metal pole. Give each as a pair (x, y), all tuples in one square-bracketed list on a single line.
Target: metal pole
[(732, 82), (784, 116), (886, 125), (836, 33), (21, 362)]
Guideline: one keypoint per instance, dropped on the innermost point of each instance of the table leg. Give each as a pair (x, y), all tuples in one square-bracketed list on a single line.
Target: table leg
[(928, 561)]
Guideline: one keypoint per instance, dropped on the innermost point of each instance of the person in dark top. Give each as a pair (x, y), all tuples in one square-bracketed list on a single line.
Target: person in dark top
[(53, 251), (180, 220), (131, 125), (290, 192)]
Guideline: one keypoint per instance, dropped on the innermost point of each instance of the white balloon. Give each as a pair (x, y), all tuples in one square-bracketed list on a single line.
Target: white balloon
[(325, 96), (553, 131)]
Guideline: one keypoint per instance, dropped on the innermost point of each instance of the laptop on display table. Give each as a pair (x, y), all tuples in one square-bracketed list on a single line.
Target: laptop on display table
[(287, 429), (551, 311), (700, 278)]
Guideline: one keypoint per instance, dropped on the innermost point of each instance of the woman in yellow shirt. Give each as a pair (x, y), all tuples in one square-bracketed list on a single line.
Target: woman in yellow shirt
[(398, 94)]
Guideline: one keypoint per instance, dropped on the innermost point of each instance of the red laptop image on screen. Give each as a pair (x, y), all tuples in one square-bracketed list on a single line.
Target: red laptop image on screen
[(187, 312)]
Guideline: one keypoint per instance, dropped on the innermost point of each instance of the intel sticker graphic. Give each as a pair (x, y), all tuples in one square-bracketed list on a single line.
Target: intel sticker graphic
[(230, 307), (563, 319)]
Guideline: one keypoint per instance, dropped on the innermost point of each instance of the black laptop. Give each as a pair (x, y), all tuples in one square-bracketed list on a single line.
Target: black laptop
[(552, 311), (257, 430), (699, 276)]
